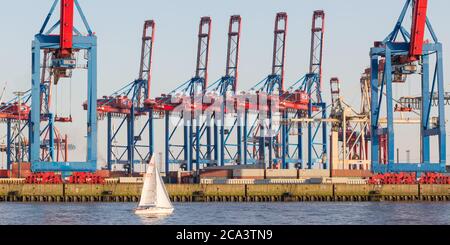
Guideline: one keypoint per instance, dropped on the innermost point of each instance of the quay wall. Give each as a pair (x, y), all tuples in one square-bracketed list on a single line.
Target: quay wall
[(130, 192)]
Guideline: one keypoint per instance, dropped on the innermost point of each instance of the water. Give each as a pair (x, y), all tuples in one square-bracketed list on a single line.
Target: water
[(230, 214)]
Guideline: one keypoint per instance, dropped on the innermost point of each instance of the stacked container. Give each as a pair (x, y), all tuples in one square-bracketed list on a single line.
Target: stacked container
[(314, 173), (249, 174), (4, 174), (281, 174), (103, 173), (351, 173), (216, 174), (20, 170)]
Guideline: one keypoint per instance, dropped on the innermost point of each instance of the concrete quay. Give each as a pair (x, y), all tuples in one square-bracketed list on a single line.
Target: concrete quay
[(120, 192)]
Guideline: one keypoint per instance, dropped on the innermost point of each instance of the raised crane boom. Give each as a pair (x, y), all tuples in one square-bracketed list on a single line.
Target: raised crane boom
[(335, 87), (66, 28), (234, 38), (204, 36), (279, 48), (317, 39), (145, 68), (419, 20)]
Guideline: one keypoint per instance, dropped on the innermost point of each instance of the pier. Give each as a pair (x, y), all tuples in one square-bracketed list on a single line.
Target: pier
[(120, 192)]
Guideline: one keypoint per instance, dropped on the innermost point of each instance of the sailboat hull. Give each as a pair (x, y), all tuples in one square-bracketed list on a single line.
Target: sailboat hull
[(154, 211)]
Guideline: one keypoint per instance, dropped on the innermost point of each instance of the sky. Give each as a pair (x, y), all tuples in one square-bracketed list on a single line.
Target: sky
[(351, 28)]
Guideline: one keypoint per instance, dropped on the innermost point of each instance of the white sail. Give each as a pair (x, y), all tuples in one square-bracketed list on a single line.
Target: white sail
[(162, 198), (148, 196), (154, 197)]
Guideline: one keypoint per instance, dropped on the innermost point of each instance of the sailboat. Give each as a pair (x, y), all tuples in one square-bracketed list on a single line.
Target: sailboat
[(154, 198)]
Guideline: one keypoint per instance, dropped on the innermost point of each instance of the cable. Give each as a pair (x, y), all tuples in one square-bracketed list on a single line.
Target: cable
[(56, 100), (70, 97)]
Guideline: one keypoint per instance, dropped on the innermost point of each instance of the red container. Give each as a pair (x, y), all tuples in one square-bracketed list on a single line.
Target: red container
[(20, 170), (85, 178), (103, 173), (4, 174), (216, 173), (123, 174), (22, 165), (44, 178), (186, 174), (20, 174), (117, 174)]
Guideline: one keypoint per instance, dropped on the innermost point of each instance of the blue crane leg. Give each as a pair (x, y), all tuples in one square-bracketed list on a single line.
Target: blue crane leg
[(375, 108), (389, 109), (441, 108), (425, 144)]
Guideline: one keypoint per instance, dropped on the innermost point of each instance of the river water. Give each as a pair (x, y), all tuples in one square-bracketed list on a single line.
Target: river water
[(378, 213)]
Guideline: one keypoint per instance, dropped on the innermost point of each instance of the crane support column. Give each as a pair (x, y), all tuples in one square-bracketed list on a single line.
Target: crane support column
[(63, 45)]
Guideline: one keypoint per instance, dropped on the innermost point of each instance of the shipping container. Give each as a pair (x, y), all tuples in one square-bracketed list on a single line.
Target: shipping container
[(186, 174), (314, 173), (22, 166), (315, 181), (118, 174), (216, 173), (281, 174), (20, 173), (345, 180), (352, 173), (187, 180), (249, 177), (214, 178), (4, 174), (172, 177), (171, 180), (287, 181), (173, 173), (103, 173), (131, 180), (249, 173)]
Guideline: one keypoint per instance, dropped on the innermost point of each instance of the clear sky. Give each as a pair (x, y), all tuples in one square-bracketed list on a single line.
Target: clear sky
[(351, 28)]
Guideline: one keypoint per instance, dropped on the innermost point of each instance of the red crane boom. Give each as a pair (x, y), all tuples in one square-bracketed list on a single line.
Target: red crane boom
[(204, 36), (145, 68), (234, 38), (317, 42), (279, 46), (66, 28), (418, 29)]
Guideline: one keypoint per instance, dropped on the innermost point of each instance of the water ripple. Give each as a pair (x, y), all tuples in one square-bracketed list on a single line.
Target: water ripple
[(230, 214)]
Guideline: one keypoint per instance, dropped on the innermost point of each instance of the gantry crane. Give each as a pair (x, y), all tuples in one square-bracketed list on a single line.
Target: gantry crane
[(128, 106), (317, 108), (349, 139), (259, 133), (309, 110), (197, 120), (301, 101), (60, 50), (221, 96), (399, 56), (184, 106)]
